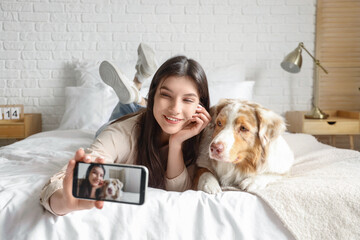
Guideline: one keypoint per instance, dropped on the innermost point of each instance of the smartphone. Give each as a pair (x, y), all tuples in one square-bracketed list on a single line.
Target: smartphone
[(120, 183)]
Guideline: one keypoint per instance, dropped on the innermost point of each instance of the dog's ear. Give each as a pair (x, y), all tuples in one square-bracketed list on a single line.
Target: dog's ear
[(270, 125), (120, 183), (218, 107)]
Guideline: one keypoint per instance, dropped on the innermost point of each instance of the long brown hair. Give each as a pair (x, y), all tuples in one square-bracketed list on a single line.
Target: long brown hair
[(149, 130), (85, 186)]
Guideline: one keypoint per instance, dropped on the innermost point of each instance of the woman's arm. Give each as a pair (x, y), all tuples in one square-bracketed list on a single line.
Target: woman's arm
[(56, 195), (175, 164), (62, 201)]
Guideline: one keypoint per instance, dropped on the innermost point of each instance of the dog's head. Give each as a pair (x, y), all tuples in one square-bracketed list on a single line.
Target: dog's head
[(242, 132), (112, 188)]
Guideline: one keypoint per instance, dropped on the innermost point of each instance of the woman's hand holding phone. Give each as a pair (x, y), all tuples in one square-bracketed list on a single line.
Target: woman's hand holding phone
[(62, 201)]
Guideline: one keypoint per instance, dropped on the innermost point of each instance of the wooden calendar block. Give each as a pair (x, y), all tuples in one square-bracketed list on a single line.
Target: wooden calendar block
[(12, 112)]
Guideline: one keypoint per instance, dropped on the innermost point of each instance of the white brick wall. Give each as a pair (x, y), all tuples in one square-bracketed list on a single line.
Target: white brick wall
[(38, 38)]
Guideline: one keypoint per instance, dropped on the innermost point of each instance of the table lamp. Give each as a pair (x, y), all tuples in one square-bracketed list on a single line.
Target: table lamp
[(292, 63)]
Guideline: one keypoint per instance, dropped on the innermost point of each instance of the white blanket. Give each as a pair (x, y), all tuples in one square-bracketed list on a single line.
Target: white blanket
[(321, 198), (27, 165)]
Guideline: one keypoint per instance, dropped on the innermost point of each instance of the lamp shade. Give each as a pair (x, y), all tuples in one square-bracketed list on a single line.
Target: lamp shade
[(293, 61)]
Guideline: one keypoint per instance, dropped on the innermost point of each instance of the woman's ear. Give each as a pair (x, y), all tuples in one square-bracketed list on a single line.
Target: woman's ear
[(270, 125)]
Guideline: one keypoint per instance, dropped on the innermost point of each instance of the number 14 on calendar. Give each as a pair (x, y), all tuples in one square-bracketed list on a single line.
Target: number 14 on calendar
[(10, 112)]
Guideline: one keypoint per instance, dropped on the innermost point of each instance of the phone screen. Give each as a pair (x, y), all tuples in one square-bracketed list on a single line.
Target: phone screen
[(110, 182)]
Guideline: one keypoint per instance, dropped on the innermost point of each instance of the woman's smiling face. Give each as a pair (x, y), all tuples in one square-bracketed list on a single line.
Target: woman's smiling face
[(175, 102), (96, 177)]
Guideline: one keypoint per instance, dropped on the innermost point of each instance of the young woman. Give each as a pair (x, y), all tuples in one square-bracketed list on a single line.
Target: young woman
[(93, 180), (164, 136)]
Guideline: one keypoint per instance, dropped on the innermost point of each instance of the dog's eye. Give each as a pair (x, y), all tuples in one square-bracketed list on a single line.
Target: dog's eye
[(243, 129), (219, 123)]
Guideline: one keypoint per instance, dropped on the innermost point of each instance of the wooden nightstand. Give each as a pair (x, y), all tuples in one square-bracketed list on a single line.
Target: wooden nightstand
[(338, 123), (20, 129)]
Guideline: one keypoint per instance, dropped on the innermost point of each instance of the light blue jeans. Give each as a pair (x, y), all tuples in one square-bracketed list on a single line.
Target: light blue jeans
[(119, 111)]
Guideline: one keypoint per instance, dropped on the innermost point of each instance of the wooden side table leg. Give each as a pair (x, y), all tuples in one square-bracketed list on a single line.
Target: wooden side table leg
[(351, 140), (333, 140)]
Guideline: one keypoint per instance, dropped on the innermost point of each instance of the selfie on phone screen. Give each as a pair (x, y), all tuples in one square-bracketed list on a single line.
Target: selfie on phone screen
[(109, 182)]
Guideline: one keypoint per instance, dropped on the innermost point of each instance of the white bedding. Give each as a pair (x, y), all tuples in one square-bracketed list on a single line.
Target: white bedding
[(27, 165)]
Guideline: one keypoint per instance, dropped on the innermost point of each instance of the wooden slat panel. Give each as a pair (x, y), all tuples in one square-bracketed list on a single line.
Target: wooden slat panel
[(336, 35), (344, 65), (335, 12), (338, 22), (343, 104), (328, 45), (327, 4), (338, 48), (340, 72)]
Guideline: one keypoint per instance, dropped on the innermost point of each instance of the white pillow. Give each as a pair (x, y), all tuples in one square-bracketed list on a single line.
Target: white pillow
[(231, 73), (89, 105), (239, 90), (88, 108), (87, 73)]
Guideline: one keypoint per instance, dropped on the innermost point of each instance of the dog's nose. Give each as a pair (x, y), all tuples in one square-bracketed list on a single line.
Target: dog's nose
[(216, 148)]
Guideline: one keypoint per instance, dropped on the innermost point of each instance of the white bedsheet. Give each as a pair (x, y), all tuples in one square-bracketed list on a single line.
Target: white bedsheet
[(27, 165)]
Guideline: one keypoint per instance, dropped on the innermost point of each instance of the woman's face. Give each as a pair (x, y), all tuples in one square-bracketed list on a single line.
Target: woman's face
[(175, 102), (96, 177)]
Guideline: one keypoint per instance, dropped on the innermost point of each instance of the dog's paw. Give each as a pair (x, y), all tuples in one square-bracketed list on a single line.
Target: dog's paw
[(251, 184), (208, 183)]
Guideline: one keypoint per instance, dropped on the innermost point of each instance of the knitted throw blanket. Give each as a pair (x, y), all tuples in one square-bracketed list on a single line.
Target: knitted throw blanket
[(321, 197)]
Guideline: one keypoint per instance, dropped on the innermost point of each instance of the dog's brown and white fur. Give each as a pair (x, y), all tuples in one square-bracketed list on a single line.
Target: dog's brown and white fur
[(111, 189), (242, 147)]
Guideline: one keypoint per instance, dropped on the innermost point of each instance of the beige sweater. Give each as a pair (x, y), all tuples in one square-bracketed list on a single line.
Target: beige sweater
[(116, 144)]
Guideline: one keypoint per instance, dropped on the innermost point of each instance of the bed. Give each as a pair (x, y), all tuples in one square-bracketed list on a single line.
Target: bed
[(27, 165), (319, 200)]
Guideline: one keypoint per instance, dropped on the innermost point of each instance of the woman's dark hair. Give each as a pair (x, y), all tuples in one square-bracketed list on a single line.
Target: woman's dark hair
[(85, 186), (149, 130)]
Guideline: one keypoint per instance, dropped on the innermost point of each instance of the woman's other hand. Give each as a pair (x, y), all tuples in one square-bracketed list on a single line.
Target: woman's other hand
[(194, 126)]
